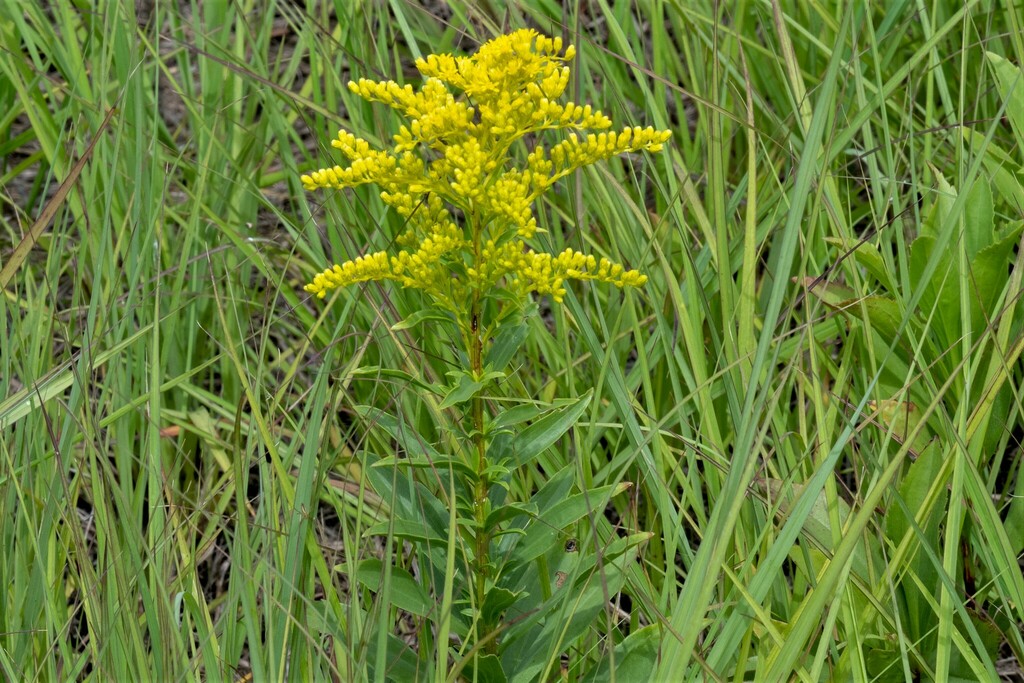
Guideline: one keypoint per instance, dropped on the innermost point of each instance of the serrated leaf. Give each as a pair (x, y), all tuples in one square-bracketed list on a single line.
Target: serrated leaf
[(403, 591)]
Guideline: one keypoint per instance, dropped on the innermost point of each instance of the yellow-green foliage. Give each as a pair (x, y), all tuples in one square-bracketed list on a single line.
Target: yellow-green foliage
[(456, 152)]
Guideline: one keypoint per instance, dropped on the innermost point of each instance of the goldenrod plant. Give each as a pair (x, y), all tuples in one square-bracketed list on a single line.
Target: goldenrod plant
[(210, 474), (465, 173)]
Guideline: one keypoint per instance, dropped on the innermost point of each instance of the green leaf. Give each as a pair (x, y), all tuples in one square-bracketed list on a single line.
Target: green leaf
[(1014, 523), (376, 371), (566, 616), (504, 513), (546, 530), (403, 592), (410, 530), (423, 316), (902, 417), (941, 208), (832, 294), (1010, 82), (516, 415), (818, 527), (941, 300), (884, 314), (414, 443), (525, 412), (532, 441), (496, 602), (915, 489), (419, 462), (868, 256), (466, 389), (1004, 172), (978, 218), (635, 657), (483, 669), (508, 340), (989, 274)]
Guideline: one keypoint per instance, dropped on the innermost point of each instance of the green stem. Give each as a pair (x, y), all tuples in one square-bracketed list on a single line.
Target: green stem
[(483, 536)]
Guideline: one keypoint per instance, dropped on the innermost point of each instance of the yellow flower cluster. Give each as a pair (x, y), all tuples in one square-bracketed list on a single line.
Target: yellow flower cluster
[(455, 154)]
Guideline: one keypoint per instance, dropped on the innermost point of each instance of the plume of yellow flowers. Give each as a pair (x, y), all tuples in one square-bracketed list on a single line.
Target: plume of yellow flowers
[(452, 174)]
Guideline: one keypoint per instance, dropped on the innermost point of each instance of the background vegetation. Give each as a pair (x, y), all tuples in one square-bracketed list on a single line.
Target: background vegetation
[(816, 397)]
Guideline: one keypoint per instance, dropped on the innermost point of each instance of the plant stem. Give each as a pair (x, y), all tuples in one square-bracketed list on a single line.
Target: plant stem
[(483, 536)]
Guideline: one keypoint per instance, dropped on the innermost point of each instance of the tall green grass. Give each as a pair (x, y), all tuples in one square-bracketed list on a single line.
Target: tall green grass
[(820, 416)]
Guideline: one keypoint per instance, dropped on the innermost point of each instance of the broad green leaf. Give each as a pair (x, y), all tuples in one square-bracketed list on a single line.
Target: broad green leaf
[(466, 389), (532, 441), (546, 530), (818, 528), (1010, 82), (403, 592), (901, 418), (421, 317), (508, 340), (497, 601), (1004, 171), (420, 462), (572, 609), (483, 669), (635, 657), (504, 513), (399, 661), (376, 371), (613, 549), (978, 218), (410, 501), (990, 273), (524, 412), (401, 431), (941, 301), (867, 255), (1014, 523), (884, 314), (915, 489), (942, 206), (832, 294)]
